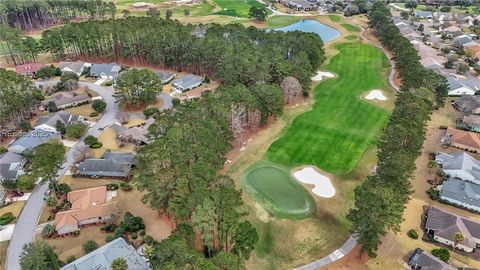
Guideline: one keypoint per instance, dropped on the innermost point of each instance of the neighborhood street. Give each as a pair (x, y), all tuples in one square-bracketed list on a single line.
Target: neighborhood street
[(26, 224)]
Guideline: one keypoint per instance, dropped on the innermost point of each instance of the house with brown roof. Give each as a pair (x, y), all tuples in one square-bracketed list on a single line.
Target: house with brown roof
[(472, 47), (136, 134), (29, 69), (89, 206), (441, 226), (66, 100), (465, 140)]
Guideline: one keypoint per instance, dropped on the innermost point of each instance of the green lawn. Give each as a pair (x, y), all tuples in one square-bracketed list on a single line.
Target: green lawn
[(237, 8), (340, 127), (281, 21), (335, 18), (351, 28)]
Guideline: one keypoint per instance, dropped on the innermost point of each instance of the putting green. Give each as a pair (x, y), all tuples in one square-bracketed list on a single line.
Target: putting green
[(278, 193)]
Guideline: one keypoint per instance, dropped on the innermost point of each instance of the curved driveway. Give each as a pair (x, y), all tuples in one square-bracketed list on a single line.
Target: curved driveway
[(26, 224)]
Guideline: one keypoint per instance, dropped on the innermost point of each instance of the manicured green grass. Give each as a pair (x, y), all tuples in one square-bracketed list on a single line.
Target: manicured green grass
[(273, 187), (351, 37), (237, 8), (281, 21), (351, 28), (334, 18), (340, 127)]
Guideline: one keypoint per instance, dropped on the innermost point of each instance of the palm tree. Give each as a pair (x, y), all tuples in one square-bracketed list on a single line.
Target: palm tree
[(458, 238)]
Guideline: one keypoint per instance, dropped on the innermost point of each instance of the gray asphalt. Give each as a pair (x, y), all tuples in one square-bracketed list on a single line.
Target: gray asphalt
[(26, 224)]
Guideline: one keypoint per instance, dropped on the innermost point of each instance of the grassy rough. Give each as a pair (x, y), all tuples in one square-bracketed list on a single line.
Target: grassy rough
[(341, 126), (335, 18), (351, 28), (237, 8), (281, 21)]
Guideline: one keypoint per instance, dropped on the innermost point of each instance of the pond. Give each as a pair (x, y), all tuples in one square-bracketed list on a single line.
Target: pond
[(325, 32), (278, 193)]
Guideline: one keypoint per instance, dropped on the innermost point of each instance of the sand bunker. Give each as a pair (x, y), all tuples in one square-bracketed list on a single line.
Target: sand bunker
[(142, 5), (376, 94), (321, 74), (322, 185)]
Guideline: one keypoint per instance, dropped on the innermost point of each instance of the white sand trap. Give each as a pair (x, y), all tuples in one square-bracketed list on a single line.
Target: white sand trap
[(321, 74), (322, 185), (376, 94)]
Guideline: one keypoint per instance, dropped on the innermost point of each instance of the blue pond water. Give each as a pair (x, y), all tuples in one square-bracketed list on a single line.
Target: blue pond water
[(325, 32)]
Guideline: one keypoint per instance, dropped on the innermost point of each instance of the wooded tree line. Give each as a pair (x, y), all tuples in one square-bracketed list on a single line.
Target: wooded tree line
[(228, 53), (381, 199), (19, 100), (28, 14)]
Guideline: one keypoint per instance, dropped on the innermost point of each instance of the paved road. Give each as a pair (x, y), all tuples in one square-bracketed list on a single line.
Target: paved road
[(26, 225)]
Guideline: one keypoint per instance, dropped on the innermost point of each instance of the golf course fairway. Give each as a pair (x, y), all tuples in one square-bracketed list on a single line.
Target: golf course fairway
[(280, 195), (341, 126)]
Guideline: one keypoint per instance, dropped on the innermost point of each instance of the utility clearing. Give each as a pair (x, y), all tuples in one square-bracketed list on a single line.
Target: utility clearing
[(322, 186)]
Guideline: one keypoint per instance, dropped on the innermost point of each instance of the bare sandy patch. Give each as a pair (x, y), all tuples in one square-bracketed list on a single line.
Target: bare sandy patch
[(322, 74), (323, 187), (376, 94)]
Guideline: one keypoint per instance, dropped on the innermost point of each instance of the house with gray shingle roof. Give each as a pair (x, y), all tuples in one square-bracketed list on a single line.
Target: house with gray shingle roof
[(32, 139), (102, 257), (460, 192), (441, 226), (187, 82), (105, 71), (423, 14), (457, 88), (460, 165), (461, 40), (468, 104), (66, 100), (112, 164), (426, 261), (76, 67), (49, 122), (11, 165), (165, 76)]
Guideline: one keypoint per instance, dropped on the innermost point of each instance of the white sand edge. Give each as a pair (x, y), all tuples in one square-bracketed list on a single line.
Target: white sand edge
[(321, 74), (323, 187), (376, 94)]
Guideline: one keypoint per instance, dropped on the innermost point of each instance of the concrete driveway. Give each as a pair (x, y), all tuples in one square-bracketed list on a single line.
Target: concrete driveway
[(26, 225)]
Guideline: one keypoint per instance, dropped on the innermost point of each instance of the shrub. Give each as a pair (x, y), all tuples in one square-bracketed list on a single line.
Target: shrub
[(48, 230), (75, 130), (89, 246), (112, 186), (142, 232), (434, 193), (132, 223), (63, 189), (413, 234), (71, 258), (52, 201), (93, 114), (134, 235), (149, 240), (110, 238), (90, 140), (441, 253), (96, 145), (6, 218), (3, 149), (125, 186), (99, 105), (107, 83), (109, 227), (443, 127), (150, 112), (119, 231)]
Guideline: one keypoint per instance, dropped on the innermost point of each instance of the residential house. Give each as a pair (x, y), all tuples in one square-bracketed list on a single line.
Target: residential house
[(453, 31), (443, 16), (457, 88), (470, 123), (187, 82), (28, 141), (468, 104), (65, 100), (300, 4), (408, 32), (76, 67), (426, 261), (136, 134), (472, 47), (29, 69), (89, 206), (11, 165), (460, 192), (105, 71), (441, 226), (459, 165), (465, 140), (102, 257), (111, 164), (49, 122), (423, 14), (461, 40), (165, 76)]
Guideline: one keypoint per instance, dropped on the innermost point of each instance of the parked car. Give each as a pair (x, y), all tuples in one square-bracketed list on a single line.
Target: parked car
[(18, 193)]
